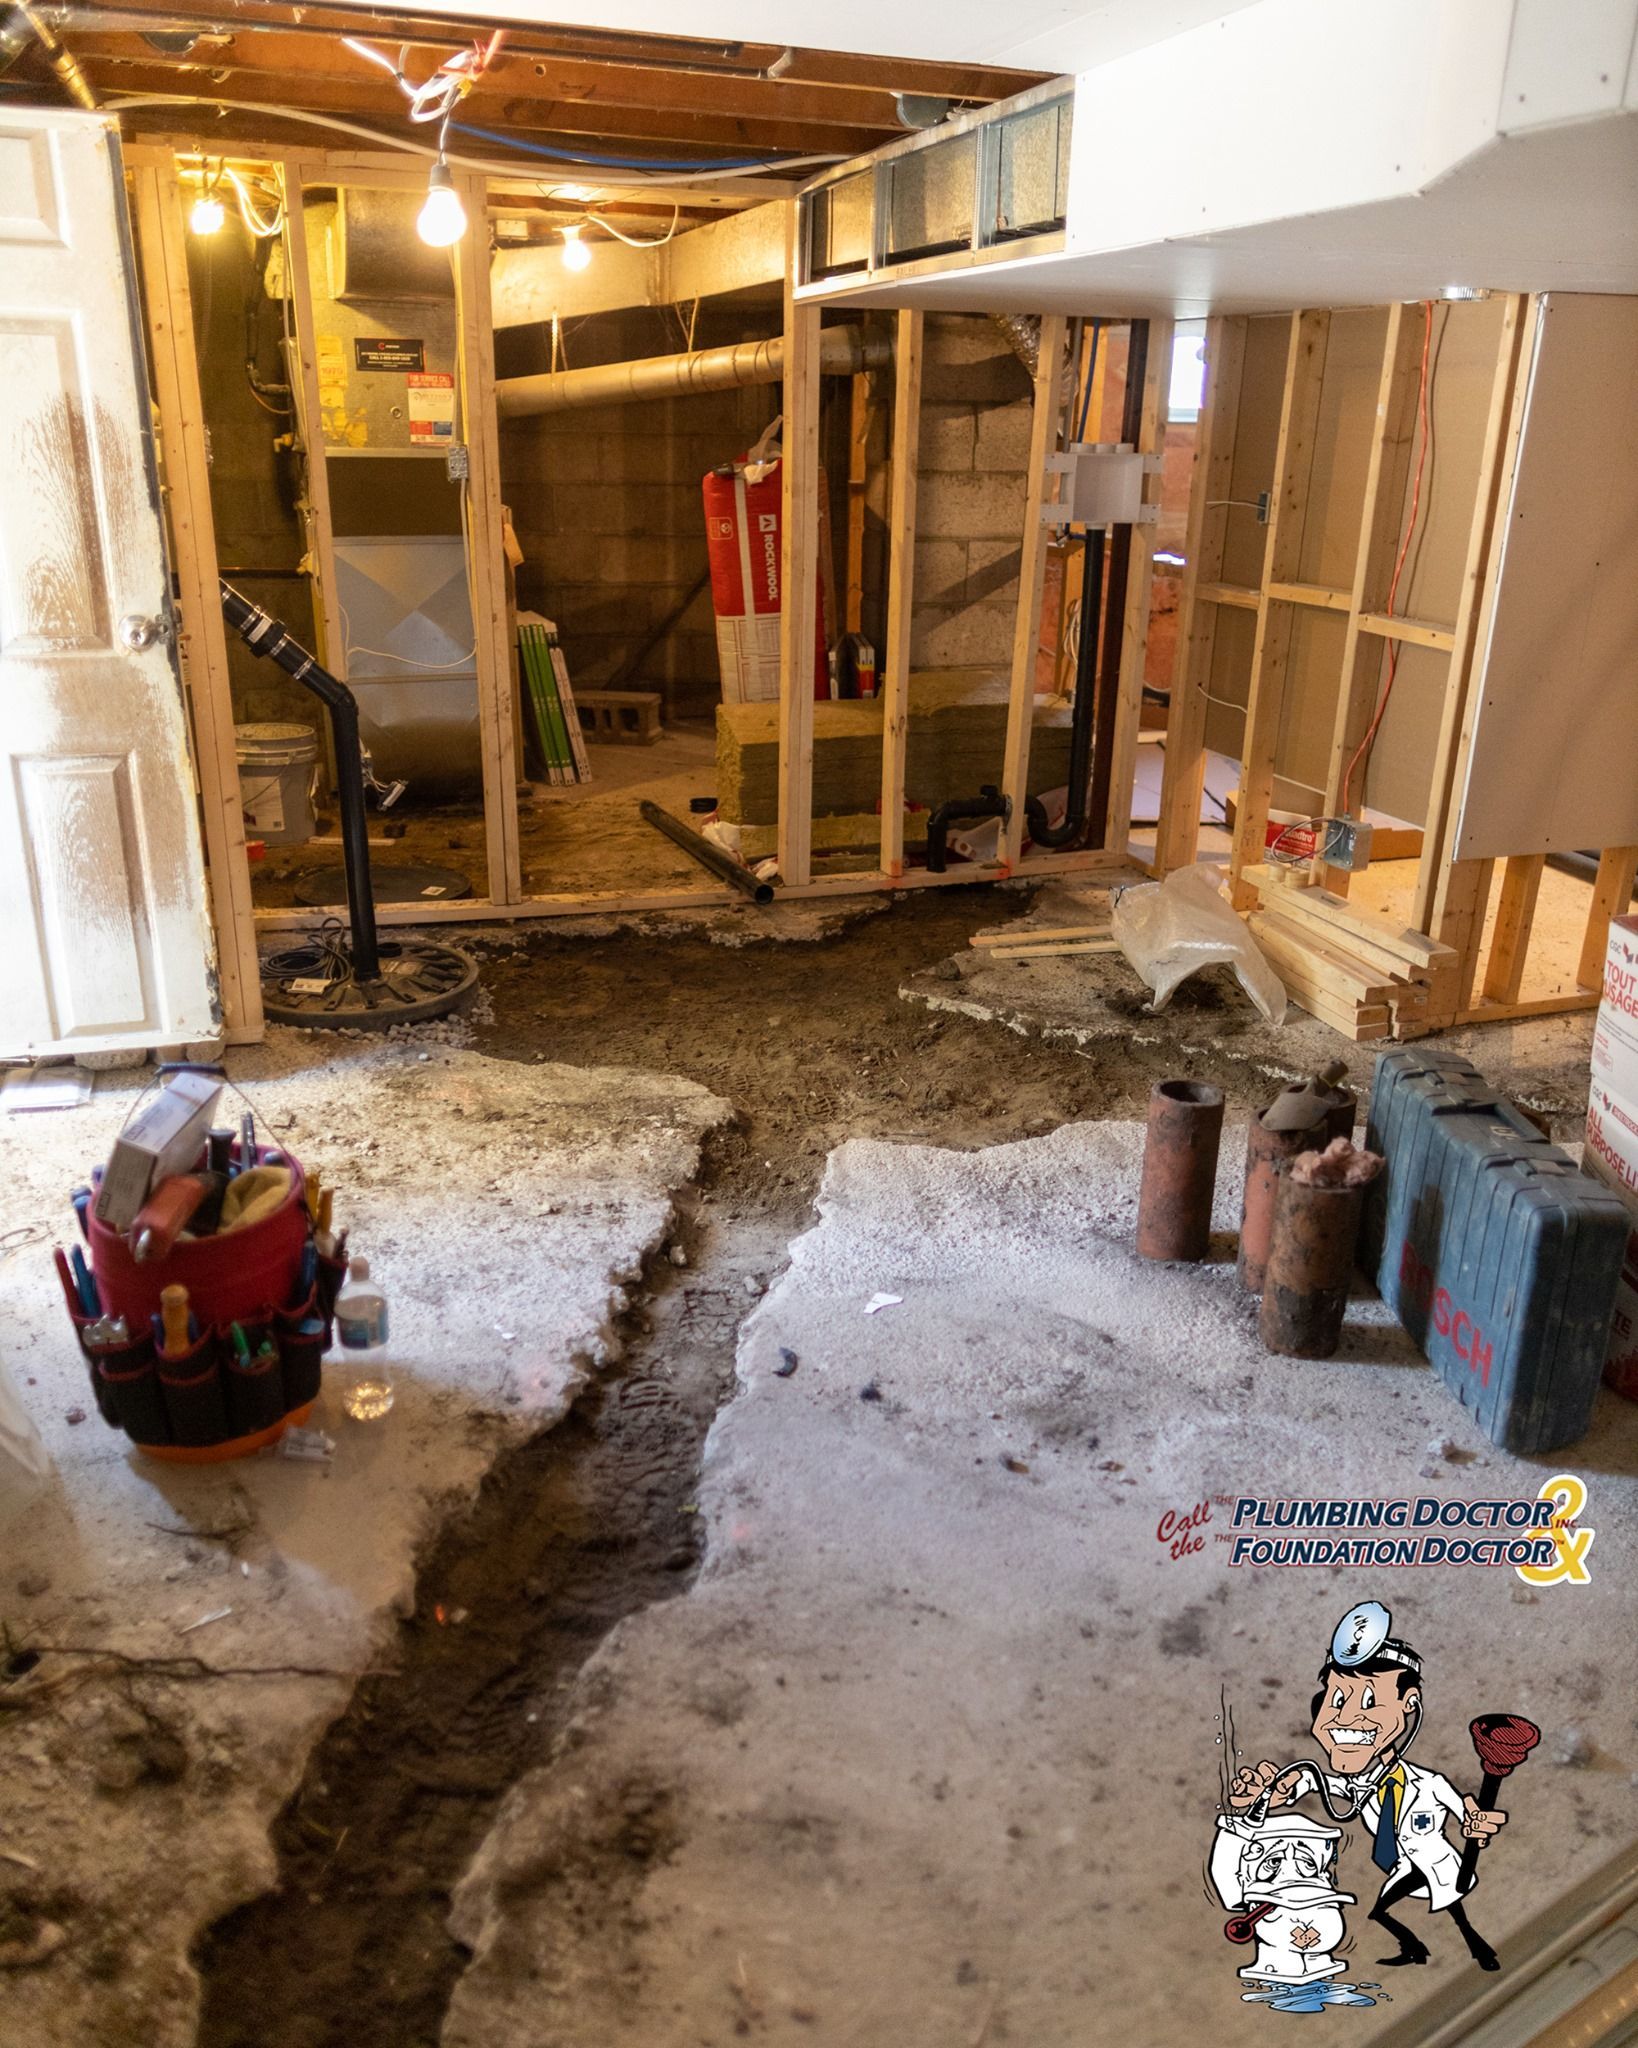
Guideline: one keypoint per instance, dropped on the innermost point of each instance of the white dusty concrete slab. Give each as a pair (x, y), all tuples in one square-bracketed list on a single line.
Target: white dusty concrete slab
[(1098, 1000), (929, 1754), (508, 1210)]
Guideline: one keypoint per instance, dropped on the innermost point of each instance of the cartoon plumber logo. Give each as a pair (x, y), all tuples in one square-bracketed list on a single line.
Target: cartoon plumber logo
[(1275, 1869)]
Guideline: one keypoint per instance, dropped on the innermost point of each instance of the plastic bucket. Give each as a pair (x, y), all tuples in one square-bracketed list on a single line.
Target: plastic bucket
[(277, 767)]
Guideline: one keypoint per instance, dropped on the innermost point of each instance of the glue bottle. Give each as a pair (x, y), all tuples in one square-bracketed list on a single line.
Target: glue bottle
[(361, 1327)]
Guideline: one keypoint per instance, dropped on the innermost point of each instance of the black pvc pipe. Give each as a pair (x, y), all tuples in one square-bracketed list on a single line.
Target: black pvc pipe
[(990, 803), (722, 865), (267, 637), (1073, 822), (1120, 563)]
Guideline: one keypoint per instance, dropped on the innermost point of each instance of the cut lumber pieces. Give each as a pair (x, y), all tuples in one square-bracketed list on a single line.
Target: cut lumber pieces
[(957, 726), (1053, 949), (1363, 976), (1034, 935)]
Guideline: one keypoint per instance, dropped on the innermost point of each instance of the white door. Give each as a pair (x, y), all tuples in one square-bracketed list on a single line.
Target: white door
[(105, 939)]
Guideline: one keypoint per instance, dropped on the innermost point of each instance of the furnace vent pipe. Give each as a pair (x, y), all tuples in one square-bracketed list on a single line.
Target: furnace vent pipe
[(843, 352)]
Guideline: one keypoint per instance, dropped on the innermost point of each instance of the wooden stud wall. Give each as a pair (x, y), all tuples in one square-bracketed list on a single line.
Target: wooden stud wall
[(168, 308), (1339, 489), (238, 920)]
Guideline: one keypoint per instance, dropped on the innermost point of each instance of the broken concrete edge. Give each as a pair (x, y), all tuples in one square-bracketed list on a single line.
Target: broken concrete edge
[(452, 1430), (1025, 1025)]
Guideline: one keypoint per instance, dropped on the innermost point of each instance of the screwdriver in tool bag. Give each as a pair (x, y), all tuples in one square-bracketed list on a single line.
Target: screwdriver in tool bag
[(176, 1325), (182, 1199)]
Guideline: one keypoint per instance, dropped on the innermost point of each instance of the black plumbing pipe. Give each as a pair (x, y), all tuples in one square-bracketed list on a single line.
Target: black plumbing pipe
[(699, 848), (1073, 822), (1120, 564), (267, 637), (990, 803)]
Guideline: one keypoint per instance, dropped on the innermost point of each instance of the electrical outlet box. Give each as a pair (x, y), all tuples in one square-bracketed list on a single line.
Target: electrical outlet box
[(458, 461), (1103, 486)]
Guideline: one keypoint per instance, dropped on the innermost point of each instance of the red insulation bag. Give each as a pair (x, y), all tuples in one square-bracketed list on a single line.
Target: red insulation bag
[(742, 535)]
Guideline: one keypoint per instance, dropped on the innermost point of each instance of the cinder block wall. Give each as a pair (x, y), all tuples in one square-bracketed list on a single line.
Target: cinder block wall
[(975, 425), (606, 504)]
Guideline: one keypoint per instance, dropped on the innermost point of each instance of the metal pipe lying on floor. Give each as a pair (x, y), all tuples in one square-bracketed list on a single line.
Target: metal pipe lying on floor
[(721, 864), (843, 352)]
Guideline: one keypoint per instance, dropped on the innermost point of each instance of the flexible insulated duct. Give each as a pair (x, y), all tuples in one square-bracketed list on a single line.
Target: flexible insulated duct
[(843, 352)]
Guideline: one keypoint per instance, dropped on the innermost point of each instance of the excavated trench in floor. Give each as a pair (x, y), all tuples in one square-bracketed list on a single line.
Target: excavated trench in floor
[(592, 1520)]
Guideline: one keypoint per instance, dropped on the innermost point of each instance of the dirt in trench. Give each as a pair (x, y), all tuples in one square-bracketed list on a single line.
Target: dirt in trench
[(591, 1521)]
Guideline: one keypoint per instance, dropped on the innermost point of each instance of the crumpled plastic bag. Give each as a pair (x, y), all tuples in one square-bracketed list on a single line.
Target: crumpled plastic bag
[(24, 1459), (1171, 929)]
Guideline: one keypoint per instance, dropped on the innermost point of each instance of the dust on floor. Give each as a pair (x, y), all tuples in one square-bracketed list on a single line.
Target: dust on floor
[(931, 1753)]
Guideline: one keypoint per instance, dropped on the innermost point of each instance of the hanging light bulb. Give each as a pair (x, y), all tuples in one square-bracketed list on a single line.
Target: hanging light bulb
[(576, 253), (442, 220), (207, 214)]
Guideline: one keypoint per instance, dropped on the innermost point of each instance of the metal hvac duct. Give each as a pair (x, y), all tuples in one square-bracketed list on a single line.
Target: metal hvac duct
[(843, 352)]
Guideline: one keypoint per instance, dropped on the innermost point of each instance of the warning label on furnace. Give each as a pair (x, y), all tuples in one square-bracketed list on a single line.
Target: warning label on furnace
[(431, 405)]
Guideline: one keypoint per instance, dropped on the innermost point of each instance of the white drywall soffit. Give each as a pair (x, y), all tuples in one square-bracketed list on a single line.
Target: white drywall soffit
[(1034, 35), (1323, 153)]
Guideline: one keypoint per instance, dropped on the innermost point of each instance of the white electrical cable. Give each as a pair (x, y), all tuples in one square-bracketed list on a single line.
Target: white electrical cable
[(590, 174), (638, 241), (260, 227)]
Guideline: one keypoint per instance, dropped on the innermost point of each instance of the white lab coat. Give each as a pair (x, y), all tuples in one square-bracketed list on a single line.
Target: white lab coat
[(1424, 1806)]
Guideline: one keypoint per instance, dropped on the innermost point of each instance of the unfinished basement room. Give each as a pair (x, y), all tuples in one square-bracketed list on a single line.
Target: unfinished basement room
[(861, 786)]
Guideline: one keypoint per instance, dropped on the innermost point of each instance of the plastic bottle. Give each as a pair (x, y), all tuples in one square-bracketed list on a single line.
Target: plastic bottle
[(361, 1327)]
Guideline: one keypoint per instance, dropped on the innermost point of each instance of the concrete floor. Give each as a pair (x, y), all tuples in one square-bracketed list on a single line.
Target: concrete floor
[(135, 1803), (930, 1754), (927, 1751)]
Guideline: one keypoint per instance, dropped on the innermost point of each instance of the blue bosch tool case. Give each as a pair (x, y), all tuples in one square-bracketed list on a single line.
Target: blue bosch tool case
[(1498, 1255)]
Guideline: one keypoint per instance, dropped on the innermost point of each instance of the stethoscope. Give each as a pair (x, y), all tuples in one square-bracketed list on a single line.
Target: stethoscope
[(1359, 1789)]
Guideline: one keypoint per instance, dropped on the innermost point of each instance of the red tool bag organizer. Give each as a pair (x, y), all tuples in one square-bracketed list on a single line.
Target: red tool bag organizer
[(203, 1404)]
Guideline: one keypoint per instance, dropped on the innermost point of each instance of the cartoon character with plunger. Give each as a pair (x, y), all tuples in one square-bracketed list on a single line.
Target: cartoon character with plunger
[(1366, 1715)]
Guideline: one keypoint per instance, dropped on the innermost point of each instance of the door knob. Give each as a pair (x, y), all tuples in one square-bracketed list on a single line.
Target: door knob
[(139, 633)]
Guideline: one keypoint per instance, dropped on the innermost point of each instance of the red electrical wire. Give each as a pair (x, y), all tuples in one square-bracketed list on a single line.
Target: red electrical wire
[(1369, 740)]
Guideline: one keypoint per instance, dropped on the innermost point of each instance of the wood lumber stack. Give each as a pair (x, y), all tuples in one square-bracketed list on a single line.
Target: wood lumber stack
[(1362, 975)]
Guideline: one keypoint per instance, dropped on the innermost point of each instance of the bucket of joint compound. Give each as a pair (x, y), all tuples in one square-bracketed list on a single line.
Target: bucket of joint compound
[(277, 768)]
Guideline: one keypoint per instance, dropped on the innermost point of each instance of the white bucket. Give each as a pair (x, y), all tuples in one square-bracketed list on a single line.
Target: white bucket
[(278, 765)]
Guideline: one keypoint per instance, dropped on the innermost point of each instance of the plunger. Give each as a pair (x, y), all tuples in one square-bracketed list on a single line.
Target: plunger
[(1502, 1741)]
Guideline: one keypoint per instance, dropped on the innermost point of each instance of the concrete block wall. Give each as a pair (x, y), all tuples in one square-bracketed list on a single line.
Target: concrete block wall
[(975, 428), (606, 506)]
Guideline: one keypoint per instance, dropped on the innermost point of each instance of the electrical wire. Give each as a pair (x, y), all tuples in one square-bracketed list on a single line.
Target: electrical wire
[(260, 227), (735, 167), (638, 241), (1362, 751), (498, 168)]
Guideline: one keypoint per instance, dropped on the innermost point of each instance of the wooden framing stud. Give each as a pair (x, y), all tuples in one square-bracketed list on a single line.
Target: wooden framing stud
[(1504, 970), (168, 306), (1612, 897), (486, 553), (1436, 893), (1299, 409), (858, 477), (1183, 774), (1031, 566), (798, 568), (907, 361)]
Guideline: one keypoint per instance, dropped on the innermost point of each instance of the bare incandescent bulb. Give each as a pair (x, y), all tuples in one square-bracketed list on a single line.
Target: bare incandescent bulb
[(576, 253), (442, 220), (207, 215)]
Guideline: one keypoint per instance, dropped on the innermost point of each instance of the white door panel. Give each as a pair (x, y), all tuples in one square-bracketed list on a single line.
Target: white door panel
[(105, 939)]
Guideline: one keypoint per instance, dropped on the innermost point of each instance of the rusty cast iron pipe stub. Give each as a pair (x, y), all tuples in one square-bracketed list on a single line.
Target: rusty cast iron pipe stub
[(1310, 1267), (1179, 1170), (1265, 1151)]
